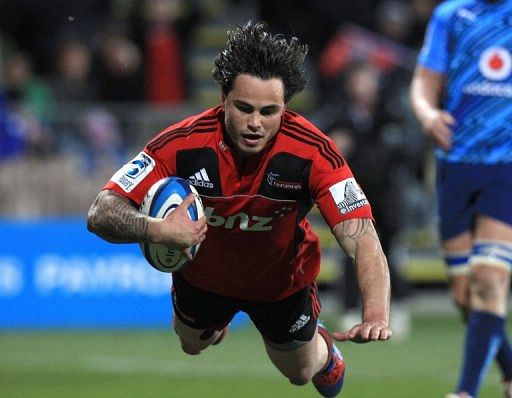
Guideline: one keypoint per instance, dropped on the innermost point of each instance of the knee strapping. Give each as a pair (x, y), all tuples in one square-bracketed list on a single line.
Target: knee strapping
[(493, 253), (457, 262)]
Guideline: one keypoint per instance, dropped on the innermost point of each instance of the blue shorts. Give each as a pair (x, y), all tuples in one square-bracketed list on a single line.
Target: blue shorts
[(467, 190)]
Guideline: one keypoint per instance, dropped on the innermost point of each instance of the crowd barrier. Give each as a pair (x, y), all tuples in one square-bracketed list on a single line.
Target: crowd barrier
[(55, 274)]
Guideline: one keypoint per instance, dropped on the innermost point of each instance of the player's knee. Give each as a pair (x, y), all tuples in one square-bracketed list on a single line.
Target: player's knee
[(487, 285), (190, 349), (191, 346), (300, 377), (298, 381), (490, 265)]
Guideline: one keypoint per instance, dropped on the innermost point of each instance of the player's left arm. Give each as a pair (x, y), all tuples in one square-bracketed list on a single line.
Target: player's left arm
[(338, 196), (358, 238)]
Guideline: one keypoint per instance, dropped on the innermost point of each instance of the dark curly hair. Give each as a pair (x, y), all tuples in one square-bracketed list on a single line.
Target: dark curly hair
[(253, 50)]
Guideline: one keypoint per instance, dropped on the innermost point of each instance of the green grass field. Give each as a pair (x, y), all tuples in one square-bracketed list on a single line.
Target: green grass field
[(139, 364)]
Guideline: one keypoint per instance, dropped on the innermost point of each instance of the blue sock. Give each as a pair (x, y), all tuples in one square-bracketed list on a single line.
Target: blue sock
[(504, 358), (484, 335)]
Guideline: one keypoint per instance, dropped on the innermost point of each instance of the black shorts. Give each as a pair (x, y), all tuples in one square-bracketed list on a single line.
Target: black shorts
[(285, 321)]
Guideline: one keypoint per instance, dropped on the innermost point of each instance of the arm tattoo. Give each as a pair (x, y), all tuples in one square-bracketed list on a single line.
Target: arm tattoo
[(348, 232), (354, 228), (115, 219)]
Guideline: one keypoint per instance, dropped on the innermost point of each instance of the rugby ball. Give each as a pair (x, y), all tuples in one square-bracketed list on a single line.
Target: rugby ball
[(161, 199)]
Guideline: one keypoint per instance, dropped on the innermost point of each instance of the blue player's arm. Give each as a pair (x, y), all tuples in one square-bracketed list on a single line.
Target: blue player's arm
[(430, 76), (425, 94)]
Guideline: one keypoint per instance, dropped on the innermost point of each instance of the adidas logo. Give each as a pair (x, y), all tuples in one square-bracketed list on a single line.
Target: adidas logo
[(300, 323), (200, 179)]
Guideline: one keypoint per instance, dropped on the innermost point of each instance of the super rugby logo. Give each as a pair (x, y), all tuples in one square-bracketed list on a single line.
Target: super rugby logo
[(241, 220), (133, 172), (273, 181), (495, 63), (348, 195)]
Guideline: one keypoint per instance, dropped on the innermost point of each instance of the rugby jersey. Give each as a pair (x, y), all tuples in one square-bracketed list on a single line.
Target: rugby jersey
[(470, 41), (259, 244)]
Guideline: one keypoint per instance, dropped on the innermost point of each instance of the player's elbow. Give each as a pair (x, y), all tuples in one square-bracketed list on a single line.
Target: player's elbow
[(92, 219), (91, 226), (95, 226)]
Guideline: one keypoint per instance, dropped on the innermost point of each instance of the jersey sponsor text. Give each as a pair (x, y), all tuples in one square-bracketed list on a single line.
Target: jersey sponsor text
[(348, 195), (241, 220)]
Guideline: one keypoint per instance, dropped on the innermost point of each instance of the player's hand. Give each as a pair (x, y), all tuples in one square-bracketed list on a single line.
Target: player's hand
[(365, 332), (437, 124), (178, 231)]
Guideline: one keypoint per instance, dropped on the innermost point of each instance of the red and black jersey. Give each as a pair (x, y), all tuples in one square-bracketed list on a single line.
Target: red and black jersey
[(259, 245)]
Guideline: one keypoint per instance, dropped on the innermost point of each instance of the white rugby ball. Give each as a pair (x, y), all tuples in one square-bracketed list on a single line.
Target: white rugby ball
[(161, 199)]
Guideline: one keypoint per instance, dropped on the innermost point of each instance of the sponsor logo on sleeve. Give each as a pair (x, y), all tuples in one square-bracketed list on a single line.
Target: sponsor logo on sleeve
[(348, 196), (133, 172)]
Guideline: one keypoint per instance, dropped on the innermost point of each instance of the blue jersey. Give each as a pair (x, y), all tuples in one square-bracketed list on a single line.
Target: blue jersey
[(470, 42)]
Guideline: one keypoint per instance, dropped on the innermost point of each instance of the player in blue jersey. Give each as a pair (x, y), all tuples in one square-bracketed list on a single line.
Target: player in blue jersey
[(462, 95)]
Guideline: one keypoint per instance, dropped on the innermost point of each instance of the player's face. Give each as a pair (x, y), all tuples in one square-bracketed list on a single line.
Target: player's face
[(253, 110)]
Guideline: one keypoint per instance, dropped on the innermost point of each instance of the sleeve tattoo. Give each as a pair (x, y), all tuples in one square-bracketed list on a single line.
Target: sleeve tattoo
[(117, 220)]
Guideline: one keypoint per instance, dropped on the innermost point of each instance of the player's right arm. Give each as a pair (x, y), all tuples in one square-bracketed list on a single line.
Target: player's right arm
[(115, 219), (425, 94)]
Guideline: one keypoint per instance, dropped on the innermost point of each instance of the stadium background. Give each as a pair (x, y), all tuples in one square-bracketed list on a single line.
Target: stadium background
[(83, 317)]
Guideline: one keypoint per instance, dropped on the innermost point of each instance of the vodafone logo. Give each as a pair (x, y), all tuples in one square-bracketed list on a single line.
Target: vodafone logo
[(496, 63)]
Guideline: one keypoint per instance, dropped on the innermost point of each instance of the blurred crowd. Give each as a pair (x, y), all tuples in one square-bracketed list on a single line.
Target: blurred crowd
[(77, 75), (56, 53)]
